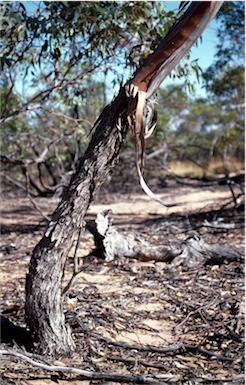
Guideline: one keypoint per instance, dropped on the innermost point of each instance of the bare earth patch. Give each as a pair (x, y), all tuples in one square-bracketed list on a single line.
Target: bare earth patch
[(168, 323)]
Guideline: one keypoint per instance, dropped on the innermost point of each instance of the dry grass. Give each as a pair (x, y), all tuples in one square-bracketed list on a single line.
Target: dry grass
[(209, 170)]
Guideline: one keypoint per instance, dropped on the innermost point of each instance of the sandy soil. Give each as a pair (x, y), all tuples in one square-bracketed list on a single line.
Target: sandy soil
[(146, 304)]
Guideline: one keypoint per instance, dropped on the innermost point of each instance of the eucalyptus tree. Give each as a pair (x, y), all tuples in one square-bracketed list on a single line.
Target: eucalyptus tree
[(44, 284), (225, 79), (53, 47), (55, 57)]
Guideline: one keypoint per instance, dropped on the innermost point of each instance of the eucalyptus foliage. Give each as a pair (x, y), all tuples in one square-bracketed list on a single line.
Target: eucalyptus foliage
[(56, 58), (60, 61), (70, 40)]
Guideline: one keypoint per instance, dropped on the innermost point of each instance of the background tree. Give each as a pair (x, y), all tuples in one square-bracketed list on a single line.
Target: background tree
[(57, 45), (56, 58), (225, 80), (59, 91), (203, 137)]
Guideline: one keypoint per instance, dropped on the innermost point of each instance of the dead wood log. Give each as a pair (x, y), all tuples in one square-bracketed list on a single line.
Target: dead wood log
[(191, 252)]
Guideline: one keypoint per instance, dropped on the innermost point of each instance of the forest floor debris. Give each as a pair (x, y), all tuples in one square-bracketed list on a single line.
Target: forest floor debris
[(153, 320)]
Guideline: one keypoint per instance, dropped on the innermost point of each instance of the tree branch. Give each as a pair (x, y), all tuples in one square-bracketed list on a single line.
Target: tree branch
[(84, 374), (193, 251)]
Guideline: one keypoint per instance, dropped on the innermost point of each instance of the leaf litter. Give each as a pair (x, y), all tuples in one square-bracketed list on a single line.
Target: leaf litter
[(172, 324)]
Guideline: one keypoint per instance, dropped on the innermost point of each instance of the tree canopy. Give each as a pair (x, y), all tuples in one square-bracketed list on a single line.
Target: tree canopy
[(59, 59), (56, 46)]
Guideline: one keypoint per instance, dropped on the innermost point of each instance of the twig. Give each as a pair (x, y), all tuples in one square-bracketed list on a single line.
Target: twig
[(208, 353), (223, 226), (237, 377), (140, 348), (231, 200), (229, 184), (195, 312), (40, 97), (141, 362), (64, 116), (31, 199), (84, 374), (240, 318), (76, 269), (46, 217), (160, 349), (14, 182)]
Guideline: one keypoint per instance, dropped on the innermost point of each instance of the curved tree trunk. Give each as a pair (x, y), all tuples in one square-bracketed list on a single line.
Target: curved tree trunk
[(44, 307)]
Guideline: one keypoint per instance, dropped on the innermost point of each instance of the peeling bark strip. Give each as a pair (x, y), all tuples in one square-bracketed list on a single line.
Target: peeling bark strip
[(156, 68), (175, 45), (44, 307)]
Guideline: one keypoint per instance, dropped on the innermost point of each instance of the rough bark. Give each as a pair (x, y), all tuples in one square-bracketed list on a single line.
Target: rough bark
[(112, 244), (44, 305)]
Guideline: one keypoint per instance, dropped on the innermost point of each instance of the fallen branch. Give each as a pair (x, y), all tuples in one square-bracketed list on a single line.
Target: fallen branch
[(205, 352), (176, 348), (193, 251), (83, 374), (172, 348), (76, 269)]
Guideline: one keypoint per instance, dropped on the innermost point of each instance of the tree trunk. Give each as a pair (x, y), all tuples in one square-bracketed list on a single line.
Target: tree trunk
[(44, 307)]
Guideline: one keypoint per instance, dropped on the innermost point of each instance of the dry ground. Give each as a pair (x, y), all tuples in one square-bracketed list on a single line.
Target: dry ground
[(169, 323)]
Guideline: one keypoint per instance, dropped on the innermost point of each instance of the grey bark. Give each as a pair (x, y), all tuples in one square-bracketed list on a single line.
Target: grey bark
[(44, 306), (193, 251)]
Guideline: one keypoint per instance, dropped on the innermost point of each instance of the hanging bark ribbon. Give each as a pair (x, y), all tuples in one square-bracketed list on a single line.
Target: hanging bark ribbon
[(156, 68), (136, 105)]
